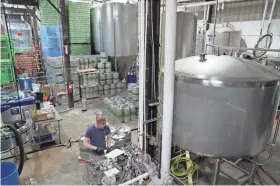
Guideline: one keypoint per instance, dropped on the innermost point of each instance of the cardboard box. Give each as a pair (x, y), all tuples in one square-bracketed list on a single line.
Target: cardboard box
[(47, 90), (44, 114)]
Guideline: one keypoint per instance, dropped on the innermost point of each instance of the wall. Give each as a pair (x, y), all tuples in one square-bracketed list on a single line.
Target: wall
[(246, 16), (248, 10), (251, 31)]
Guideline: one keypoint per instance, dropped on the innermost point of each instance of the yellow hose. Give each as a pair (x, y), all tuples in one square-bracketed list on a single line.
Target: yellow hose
[(183, 174)]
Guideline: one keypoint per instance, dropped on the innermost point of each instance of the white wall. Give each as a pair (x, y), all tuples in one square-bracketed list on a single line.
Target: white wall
[(250, 32)]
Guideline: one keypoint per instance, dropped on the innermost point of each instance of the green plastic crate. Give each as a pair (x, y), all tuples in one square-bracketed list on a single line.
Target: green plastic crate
[(77, 49), (49, 16), (79, 22), (6, 61), (5, 77)]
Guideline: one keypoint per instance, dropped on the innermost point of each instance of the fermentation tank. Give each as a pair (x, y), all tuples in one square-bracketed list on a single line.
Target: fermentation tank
[(118, 33), (223, 106), (225, 36), (95, 19), (186, 34)]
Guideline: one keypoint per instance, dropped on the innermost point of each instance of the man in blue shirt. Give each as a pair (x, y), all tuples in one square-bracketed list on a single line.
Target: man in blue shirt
[(95, 136)]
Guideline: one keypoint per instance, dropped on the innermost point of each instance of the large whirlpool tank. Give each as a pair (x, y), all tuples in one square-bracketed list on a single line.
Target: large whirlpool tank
[(223, 106)]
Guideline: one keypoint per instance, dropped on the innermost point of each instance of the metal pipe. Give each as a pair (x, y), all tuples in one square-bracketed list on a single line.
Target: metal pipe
[(254, 169), (237, 161), (236, 166), (191, 5), (216, 171), (271, 15), (242, 48), (141, 72), (168, 92), (207, 21), (264, 15), (138, 178), (270, 176), (145, 57), (249, 178), (205, 16), (215, 22)]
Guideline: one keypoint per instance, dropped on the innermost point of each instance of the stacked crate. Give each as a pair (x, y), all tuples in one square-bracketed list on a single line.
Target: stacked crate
[(79, 28), (6, 60), (51, 41), (49, 16), (50, 30), (55, 73), (78, 49)]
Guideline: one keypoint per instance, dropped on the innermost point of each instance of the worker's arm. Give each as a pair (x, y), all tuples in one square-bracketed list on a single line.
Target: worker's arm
[(88, 145), (109, 140)]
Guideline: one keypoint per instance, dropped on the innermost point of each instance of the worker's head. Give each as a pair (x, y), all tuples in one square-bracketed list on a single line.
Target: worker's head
[(100, 122)]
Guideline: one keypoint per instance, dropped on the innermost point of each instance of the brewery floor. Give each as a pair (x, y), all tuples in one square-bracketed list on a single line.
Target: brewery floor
[(60, 165)]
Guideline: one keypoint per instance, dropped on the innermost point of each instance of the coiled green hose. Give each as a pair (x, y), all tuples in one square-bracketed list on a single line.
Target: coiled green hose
[(183, 174)]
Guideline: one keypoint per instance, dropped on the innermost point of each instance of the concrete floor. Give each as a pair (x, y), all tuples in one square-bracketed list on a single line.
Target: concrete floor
[(60, 165)]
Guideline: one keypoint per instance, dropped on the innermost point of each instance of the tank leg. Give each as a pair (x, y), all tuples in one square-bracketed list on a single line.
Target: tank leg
[(216, 171), (254, 170)]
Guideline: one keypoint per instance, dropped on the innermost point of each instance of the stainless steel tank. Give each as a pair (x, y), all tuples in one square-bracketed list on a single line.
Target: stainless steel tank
[(119, 34), (95, 19), (25, 130), (223, 106), (225, 36), (186, 34)]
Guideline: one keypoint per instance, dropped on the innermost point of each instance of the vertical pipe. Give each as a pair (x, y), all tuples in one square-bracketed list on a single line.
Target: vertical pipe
[(168, 92), (65, 34), (216, 172), (142, 71), (215, 22), (271, 15), (204, 27), (145, 12), (264, 15)]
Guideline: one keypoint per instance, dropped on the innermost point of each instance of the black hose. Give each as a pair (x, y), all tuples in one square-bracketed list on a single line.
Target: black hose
[(33, 151), (19, 144)]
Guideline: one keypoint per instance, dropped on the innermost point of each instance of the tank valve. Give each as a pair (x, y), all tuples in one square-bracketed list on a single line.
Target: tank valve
[(202, 57)]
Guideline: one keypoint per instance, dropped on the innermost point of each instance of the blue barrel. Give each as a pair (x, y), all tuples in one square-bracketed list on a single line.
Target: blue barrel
[(9, 173), (25, 83)]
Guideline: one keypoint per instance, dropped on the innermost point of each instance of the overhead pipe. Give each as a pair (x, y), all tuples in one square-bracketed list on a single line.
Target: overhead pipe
[(142, 73), (271, 15), (242, 48), (191, 5), (168, 92)]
